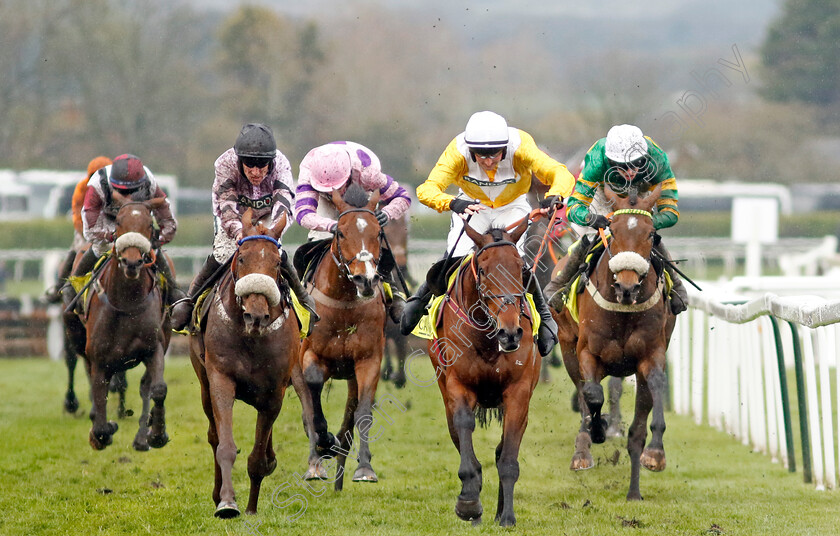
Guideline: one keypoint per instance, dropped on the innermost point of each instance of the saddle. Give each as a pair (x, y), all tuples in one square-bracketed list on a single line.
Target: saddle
[(309, 255)]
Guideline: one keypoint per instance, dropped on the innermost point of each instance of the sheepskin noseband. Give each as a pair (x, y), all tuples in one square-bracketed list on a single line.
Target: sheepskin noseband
[(258, 284), (629, 260), (133, 240)]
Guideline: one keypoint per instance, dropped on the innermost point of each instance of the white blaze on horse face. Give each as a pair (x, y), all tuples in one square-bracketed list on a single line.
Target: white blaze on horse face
[(366, 257), (632, 222), (361, 225)]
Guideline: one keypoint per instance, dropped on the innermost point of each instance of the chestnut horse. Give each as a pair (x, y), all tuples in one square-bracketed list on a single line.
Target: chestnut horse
[(126, 324), (348, 342), (247, 349), (624, 328), (485, 357)]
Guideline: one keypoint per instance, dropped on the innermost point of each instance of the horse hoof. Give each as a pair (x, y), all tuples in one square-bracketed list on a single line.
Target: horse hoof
[(140, 445), (615, 431), (653, 460), (315, 473), (399, 379), (227, 510), (159, 441), (365, 474), (71, 404), (469, 510), (598, 433), (582, 462), (123, 414), (634, 496)]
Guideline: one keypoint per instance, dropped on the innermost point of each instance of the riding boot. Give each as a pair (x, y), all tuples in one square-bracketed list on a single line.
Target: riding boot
[(53, 294), (557, 287), (415, 308), (291, 276), (182, 309), (679, 295), (547, 335), (86, 264), (173, 292)]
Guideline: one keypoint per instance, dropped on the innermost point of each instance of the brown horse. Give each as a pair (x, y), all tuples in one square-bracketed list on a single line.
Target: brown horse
[(126, 324), (348, 342), (485, 357), (624, 328), (246, 349)]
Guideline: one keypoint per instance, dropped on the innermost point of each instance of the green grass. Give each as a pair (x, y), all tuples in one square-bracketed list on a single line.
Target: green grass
[(53, 483)]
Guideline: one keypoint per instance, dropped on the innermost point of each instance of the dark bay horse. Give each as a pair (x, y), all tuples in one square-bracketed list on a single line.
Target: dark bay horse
[(247, 349), (624, 328), (126, 324), (396, 344), (485, 357), (348, 342)]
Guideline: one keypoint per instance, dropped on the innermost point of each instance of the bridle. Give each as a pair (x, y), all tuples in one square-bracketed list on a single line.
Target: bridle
[(272, 296), (340, 261), (504, 299)]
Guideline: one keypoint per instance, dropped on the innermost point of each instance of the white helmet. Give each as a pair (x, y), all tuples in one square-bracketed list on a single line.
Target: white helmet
[(486, 130), (625, 143)]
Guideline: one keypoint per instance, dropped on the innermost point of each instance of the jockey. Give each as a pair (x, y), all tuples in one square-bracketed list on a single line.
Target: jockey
[(252, 174), (53, 295), (492, 164), (625, 159), (333, 167), (129, 177)]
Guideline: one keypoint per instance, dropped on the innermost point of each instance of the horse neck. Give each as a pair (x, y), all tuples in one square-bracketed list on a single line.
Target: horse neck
[(330, 279)]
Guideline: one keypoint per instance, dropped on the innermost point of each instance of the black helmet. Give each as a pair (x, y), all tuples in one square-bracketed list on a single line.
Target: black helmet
[(256, 141)]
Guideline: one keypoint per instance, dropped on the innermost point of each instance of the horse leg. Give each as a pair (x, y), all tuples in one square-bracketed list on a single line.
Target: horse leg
[(157, 416), (262, 460), (367, 379), (71, 402), (653, 457), (345, 433), (119, 384), (223, 390), (517, 401), (307, 416), (615, 386), (387, 368), (401, 349), (141, 439), (102, 431), (314, 377), (468, 506), (212, 434)]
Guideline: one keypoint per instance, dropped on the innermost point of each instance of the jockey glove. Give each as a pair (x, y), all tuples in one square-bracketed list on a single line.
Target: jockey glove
[(460, 205), (550, 201), (382, 218), (597, 221)]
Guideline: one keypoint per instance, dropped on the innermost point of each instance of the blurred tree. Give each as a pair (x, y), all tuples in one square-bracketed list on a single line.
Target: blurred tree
[(800, 56)]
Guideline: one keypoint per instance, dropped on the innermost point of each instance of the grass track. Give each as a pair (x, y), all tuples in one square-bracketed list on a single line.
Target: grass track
[(53, 483)]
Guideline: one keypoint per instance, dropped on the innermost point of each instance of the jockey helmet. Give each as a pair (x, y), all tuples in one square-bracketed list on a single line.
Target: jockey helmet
[(329, 167), (625, 143), (255, 140), (127, 173), (486, 130)]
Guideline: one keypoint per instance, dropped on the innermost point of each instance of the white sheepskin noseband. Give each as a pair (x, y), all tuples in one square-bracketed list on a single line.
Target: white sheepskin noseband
[(629, 260), (133, 240), (258, 284)]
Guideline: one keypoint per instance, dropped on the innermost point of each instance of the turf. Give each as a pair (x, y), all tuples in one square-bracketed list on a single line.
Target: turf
[(53, 483)]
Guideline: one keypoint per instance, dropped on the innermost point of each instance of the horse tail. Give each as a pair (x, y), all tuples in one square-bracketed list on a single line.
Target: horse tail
[(484, 416)]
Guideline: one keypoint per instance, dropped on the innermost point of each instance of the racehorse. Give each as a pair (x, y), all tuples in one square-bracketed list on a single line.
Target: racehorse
[(485, 357), (126, 324), (624, 328), (348, 342), (246, 349)]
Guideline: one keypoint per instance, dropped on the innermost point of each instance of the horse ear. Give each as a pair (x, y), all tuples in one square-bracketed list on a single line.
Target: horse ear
[(612, 197), (276, 231), (156, 203), (478, 239), (248, 222), (652, 197), (374, 199), (516, 234), (119, 198), (338, 201)]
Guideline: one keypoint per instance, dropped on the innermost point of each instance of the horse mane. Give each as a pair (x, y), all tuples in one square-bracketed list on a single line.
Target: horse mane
[(496, 233), (355, 196), (633, 197)]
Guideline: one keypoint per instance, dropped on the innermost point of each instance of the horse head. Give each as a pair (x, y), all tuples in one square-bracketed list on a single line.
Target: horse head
[(633, 233), (256, 271), (356, 244), (134, 232), (497, 269)]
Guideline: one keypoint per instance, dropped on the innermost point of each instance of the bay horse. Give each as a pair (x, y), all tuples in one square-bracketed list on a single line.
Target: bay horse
[(247, 349), (126, 324), (348, 342), (625, 325), (486, 357)]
